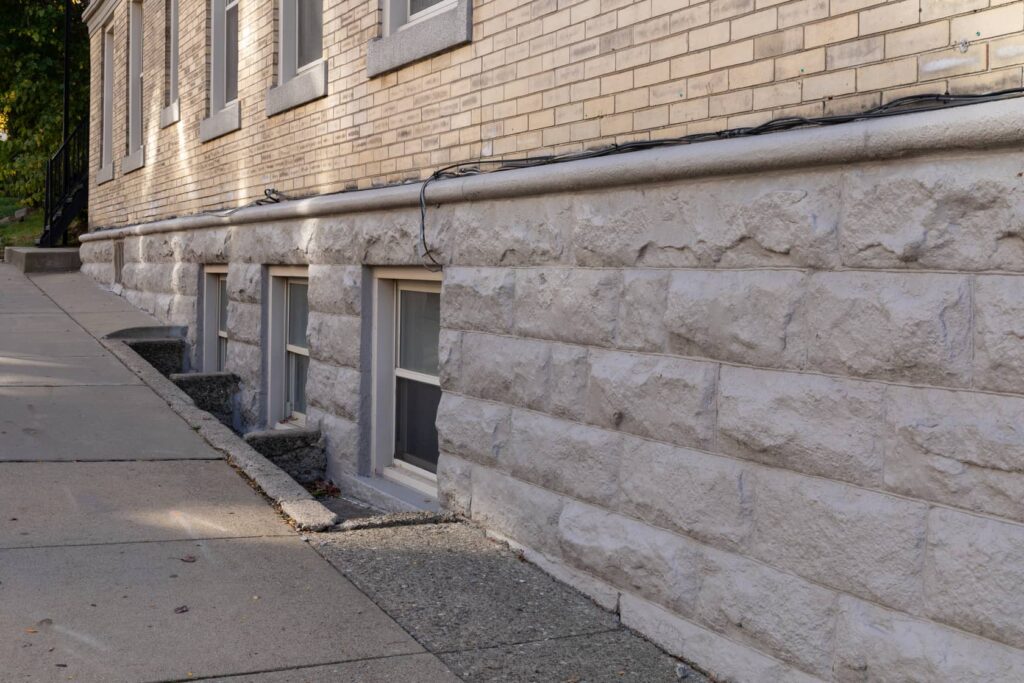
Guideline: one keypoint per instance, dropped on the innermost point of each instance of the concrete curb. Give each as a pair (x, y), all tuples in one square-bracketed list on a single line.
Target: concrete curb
[(295, 501)]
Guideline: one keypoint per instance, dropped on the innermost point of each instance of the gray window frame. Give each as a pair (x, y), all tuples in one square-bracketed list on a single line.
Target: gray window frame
[(295, 85), (135, 149), (403, 42), (224, 116), (171, 112)]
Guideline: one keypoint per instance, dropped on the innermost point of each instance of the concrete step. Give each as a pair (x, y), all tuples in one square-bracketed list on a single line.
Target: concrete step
[(40, 260)]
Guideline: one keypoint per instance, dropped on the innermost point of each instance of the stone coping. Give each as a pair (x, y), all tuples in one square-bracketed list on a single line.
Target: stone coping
[(975, 127)]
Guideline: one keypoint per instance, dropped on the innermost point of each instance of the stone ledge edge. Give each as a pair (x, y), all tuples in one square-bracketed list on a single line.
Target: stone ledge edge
[(981, 126), (295, 501)]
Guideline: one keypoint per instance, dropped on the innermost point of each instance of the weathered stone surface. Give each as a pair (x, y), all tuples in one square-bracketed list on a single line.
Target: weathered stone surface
[(334, 389), (245, 360), (473, 429), (244, 321), (281, 243), (642, 314), (209, 245), (741, 316), (454, 483), (956, 447), (707, 497), (668, 399), (185, 278), (97, 251), (999, 332), (876, 644), (527, 514), (973, 574), (569, 369), (449, 358), (478, 299), (808, 423), (99, 271), (890, 326), (245, 282), (149, 277), (390, 238), (963, 216), (335, 240), (505, 369), (566, 457), (568, 304), (334, 338), (341, 437), (850, 539), (504, 232), (335, 289), (299, 452)]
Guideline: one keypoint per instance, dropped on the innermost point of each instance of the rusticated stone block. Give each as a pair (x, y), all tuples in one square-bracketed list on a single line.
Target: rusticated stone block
[(808, 423), (999, 333), (148, 277), (889, 326), (210, 245), (245, 282), (527, 514), (504, 369), (505, 232), (960, 448), (282, 243), (973, 574), (962, 216), (386, 238), (568, 304), (740, 316), (642, 314), (478, 299), (244, 321), (876, 644), (334, 389), (569, 370), (473, 429), (341, 441), (669, 399), (454, 483), (185, 279), (334, 338), (856, 541), (704, 496), (449, 358), (566, 457), (335, 240), (335, 289)]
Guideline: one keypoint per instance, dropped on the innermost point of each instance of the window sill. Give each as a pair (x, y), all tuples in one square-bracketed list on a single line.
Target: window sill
[(227, 120), (421, 39), (307, 85), (105, 174), (170, 114), (134, 161)]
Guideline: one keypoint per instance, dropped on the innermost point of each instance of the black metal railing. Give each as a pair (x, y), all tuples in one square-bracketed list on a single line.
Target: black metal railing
[(67, 184)]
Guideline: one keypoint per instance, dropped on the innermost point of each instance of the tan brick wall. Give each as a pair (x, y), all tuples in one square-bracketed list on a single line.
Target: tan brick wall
[(540, 76)]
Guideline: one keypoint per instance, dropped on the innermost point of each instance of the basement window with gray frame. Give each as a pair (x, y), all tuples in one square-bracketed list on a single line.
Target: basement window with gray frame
[(412, 30), (302, 69), (225, 113), (288, 346)]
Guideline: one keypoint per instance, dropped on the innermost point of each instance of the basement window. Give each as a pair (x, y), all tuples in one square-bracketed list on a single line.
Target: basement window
[(106, 171), (407, 388), (215, 318), (225, 114), (302, 75), (412, 30), (171, 111), (288, 347), (134, 152)]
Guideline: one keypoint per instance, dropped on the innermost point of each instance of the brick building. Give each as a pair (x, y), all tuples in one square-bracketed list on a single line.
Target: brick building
[(760, 395)]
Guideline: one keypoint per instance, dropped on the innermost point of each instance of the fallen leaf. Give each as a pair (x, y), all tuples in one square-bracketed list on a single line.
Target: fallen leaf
[(188, 558), (181, 610), (31, 630)]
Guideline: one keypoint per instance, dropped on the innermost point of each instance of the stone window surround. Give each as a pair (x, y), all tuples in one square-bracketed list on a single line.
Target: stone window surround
[(225, 116), (209, 319), (403, 43), (171, 112), (274, 338), (296, 85)]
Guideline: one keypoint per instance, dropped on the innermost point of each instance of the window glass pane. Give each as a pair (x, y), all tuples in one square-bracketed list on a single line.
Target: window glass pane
[(222, 302), (298, 314), (416, 412), (420, 327), (298, 368), (231, 55), (416, 6), (310, 31), (222, 353)]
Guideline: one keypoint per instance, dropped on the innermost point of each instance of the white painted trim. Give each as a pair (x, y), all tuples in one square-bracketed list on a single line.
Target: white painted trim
[(984, 126), (411, 477), (220, 269), (407, 273), (289, 271)]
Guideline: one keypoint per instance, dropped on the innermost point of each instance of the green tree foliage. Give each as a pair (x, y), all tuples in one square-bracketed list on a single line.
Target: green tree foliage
[(31, 89)]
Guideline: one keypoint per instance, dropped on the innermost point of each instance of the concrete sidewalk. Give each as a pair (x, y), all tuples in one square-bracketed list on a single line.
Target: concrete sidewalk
[(131, 551)]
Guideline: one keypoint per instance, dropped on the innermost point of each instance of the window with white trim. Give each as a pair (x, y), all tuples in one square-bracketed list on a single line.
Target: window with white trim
[(133, 135), (407, 388), (224, 111), (106, 171), (288, 347), (171, 111), (215, 318), (302, 71)]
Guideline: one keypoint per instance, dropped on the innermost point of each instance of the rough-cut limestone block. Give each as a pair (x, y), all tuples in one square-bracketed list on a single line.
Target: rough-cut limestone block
[(334, 389), (478, 299), (967, 215), (956, 447), (566, 457), (334, 338), (244, 360), (132, 249), (185, 278), (999, 332), (568, 304), (454, 483), (783, 220), (149, 277), (856, 541), (390, 238), (808, 423), (245, 282), (335, 289), (183, 312), (724, 658), (155, 248), (473, 429), (449, 358), (501, 232), (631, 555), (244, 322), (272, 243), (97, 251), (505, 369), (889, 326), (704, 496), (100, 272), (208, 245), (669, 399), (158, 304), (878, 645), (569, 369), (739, 316), (342, 439), (527, 514), (642, 314), (974, 573), (334, 240)]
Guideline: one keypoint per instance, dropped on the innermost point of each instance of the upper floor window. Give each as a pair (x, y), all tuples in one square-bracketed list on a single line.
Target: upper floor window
[(171, 111), (134, 153), (106, 171), (225, 114), (415, 29), (302, 71)]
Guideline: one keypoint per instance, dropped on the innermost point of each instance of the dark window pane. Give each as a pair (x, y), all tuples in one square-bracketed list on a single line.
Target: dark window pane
[(416, 6), (420, 327), (222, 301), (298, 314), (222, 353), (311, 31), (231, 55), (298, 368), (415, 414)]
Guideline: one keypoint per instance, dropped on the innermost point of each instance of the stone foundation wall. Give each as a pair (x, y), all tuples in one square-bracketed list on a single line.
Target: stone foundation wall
[(773, 419)]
